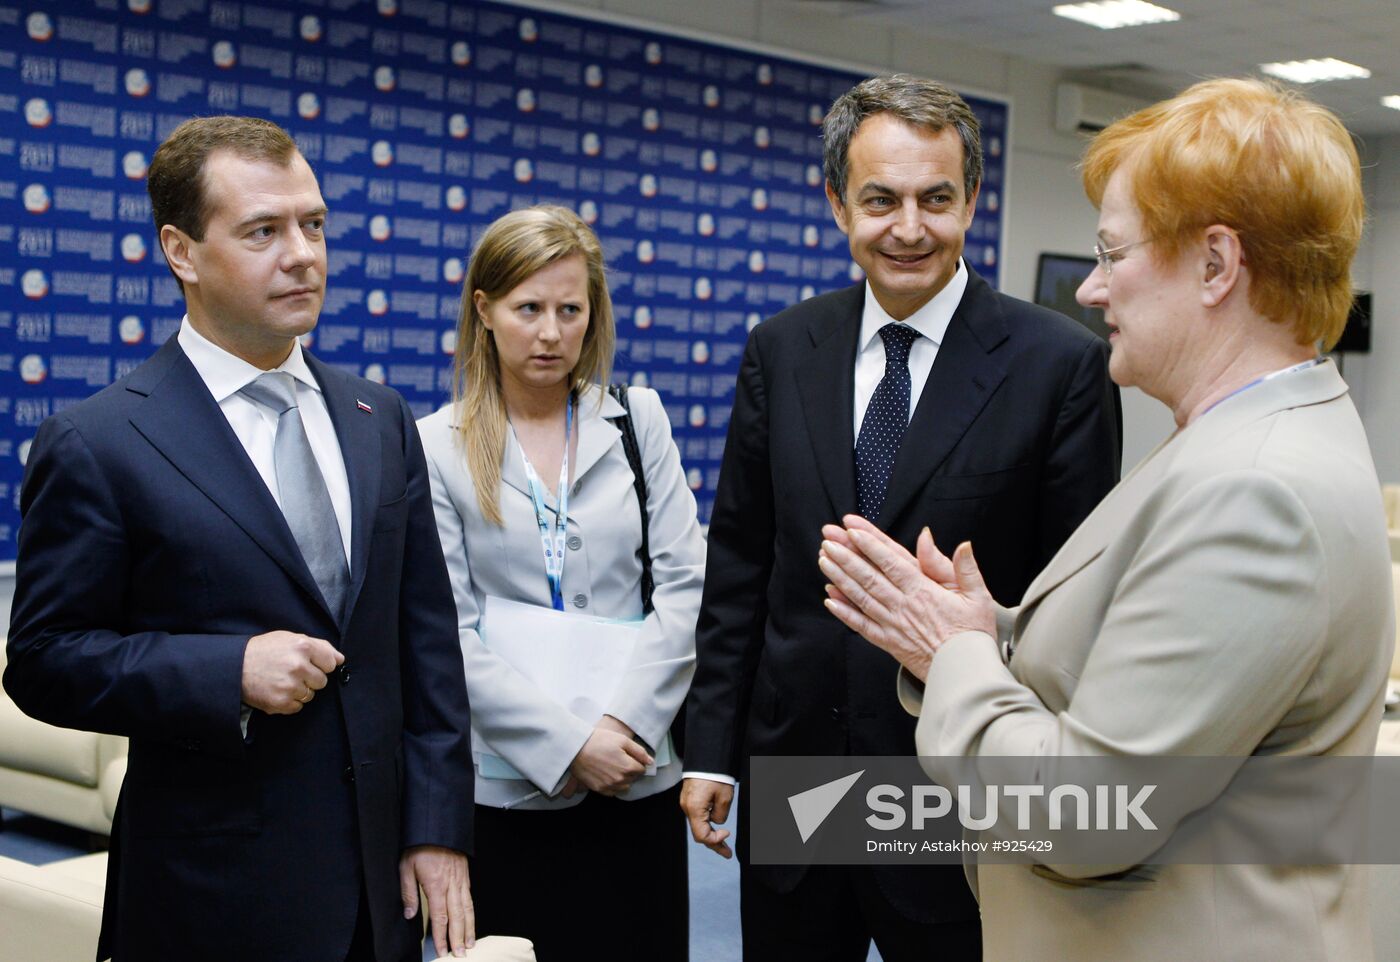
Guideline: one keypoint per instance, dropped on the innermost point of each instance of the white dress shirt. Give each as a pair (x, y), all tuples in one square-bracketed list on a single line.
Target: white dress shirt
[(932, 322), (256, 425)]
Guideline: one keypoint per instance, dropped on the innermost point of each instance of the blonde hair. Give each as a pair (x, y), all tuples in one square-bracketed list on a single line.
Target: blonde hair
[(513, 249), (1276, 167)]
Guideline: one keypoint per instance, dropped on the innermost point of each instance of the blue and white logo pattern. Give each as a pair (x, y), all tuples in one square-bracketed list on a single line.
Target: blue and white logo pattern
[(698, 164)]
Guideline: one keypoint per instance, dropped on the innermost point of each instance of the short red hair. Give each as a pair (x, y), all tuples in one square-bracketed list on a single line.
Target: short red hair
[(1278, 168)]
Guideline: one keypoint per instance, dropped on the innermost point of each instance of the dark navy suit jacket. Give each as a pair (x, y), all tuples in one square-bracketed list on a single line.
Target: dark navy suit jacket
[(150, 551), (1013, 442)]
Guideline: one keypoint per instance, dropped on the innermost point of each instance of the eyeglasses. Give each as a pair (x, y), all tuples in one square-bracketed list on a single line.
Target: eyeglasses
[(1106, 258)]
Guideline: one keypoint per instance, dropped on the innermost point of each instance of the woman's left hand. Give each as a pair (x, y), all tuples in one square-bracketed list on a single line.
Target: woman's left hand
[(905, 605), (611, 760)]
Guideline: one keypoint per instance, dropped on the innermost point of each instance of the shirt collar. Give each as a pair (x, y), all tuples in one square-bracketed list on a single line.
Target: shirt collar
[(226, 374), (931, 320)]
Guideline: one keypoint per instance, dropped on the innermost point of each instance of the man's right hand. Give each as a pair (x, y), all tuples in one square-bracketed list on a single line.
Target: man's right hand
[(283, 670), (706, 804)]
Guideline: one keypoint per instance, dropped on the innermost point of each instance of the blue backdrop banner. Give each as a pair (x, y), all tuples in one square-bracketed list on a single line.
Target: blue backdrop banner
[(698, 164)]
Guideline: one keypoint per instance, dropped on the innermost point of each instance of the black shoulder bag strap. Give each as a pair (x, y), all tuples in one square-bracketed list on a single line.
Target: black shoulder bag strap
[(639, 484)]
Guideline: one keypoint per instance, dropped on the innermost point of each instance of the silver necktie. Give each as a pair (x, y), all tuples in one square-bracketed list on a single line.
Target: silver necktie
[(301, 489)]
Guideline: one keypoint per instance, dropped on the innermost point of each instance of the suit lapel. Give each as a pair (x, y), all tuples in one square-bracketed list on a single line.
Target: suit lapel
[(357, 433), (182, 422), (513, 465), (1315, 385), (826, 382), (1105, 522), (1093, 535), (965, 374), (596, 431), (1319, 385)]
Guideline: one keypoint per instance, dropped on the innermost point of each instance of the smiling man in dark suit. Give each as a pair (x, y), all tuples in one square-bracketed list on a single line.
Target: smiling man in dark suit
[(230, 556), (919, 398)]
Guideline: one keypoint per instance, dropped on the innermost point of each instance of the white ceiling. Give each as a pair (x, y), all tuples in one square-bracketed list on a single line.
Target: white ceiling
[(1213, 38)]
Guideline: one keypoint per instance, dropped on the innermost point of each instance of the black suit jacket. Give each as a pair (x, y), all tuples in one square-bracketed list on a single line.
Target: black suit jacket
[(149, 553), (1013, 442)]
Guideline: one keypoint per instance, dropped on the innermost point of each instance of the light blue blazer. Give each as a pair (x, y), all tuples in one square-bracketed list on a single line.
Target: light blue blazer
[(602, 577)]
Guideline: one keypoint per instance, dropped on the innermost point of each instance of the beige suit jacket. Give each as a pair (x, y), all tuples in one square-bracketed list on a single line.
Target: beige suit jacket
[(1231, 597)]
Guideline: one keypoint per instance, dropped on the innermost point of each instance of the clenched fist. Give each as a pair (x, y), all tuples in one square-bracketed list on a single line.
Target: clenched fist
[(283, 670)]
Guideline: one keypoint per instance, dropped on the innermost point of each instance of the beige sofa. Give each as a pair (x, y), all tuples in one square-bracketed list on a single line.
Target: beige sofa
[(60, 774), (51, 913), (1388, 743), (1390, 493), (1385, 879)]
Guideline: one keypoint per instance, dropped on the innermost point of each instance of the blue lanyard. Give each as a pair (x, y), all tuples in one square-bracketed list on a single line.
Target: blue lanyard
[(552, 536), (1301, 366)]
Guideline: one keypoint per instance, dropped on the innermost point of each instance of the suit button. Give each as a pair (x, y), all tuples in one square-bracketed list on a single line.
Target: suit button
[(836, 715), (344, 675), (574, 542), (580, 601), (349, 773)]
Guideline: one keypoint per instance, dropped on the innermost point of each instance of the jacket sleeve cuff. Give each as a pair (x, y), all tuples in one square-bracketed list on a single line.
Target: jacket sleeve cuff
[(910, 691)]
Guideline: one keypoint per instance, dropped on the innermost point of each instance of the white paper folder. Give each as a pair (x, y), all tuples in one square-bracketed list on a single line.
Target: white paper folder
[(576, 660)]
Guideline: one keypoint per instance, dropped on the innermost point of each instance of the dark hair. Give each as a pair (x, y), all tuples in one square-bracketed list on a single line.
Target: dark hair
[(175, 179), (914, 100)]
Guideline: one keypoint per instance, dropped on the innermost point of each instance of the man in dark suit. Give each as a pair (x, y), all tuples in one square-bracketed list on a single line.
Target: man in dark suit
[(240, 570), (919, 398)]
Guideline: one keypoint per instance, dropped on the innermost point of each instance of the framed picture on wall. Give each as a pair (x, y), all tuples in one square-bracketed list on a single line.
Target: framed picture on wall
[(1057, 277)]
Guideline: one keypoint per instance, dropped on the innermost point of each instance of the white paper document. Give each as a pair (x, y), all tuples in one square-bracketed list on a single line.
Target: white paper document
[(576, 660)]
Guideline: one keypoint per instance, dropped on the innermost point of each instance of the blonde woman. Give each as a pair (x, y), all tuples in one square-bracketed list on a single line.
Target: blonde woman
[(578, 818)]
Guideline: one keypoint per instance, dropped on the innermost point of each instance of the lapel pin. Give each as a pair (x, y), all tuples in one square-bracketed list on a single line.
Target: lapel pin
[(363, 406)]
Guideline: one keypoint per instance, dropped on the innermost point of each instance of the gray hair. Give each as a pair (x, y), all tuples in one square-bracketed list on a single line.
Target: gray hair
[(914, 100)]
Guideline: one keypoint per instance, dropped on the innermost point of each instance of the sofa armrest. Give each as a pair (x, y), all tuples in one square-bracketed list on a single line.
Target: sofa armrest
[(109, 786), (498, 948), (110, 748), (47, 915)]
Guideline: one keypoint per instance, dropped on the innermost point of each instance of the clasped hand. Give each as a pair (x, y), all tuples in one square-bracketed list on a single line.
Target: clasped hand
[(906, 605), (609, 762)]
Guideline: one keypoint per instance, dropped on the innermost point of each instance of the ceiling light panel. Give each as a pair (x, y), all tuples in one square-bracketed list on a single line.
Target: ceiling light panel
[(1112, 14), (1315, 71)]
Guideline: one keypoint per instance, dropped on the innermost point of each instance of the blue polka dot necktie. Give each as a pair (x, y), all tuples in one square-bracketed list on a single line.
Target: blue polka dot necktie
[(886, 420)]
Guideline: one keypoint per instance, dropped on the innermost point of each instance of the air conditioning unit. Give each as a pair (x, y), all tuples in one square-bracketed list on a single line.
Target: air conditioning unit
[(1088, 110)]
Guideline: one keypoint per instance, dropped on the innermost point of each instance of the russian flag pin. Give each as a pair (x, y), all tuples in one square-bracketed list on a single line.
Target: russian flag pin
[(363, 406)]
